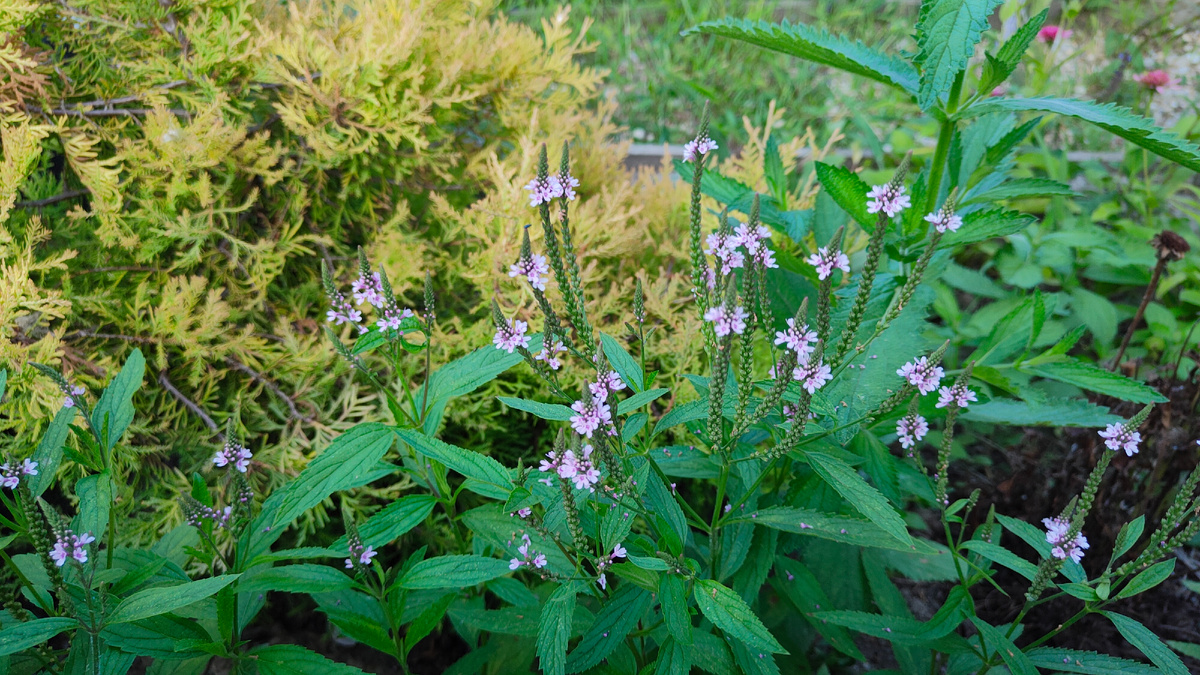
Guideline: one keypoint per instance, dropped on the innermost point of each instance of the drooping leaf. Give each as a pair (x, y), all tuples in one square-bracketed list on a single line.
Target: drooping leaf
[(865, 498), (489, 477), (19, 636), (429, 619), (157, 637), (1002, 556), (1054, 412), (1112, 118), (464, 375), (1089, 377), (732, 615), (805, 592), (638, 400), (982, 225), (163, 599), (345, 464), (1013, 657), (296, 660), (1147, 643), (673, 598), (947, 32), (835, 528), (674, 658), (454, 571), (95, 494), (1022, 188), (1148, 578), (814, 44), (114, 411), (49, 452), (613, 622), (555, 412), (554, 629)]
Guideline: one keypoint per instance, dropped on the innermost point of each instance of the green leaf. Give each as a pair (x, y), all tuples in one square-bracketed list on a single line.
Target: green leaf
[(348, 461), (1002, 556), (464, 375), (554, 629), (555, 412), (673, 658), (163, 599), (1148, 578), (1000, 67), (157, 637), (620, 360), (393, 521), (1013, 657), (297, 578), (1148, 643), (453, 571), (672, 593), (613, 622), (982, 225), (814, 44), (681, 414), (114, 411), (1059, 412), (1022, 188), (3, 382), (19, 636), (802, 588), (834, 528), (95, 500), (1186, 648), (1114, 119), (947, 32), (1081, 591), (1127, 537), (490, 478), (1089, 377), (774, 172), (638, 400), (49, 452), (865, 498), (848, 191), (296, 660), (369, 341), (1087, 663), (732, 615), (429, 619), (1097, 312)]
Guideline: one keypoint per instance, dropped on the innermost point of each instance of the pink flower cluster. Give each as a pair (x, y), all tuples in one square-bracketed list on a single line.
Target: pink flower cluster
[(724, 247), (910, 429), (800, 340), (528, 555), (1057, 530), (359, 555), (1156, 80), (888, 198), (1120, 437), (393, 318), (550, 355), (368, 290), (511, 336), (726, 320), (74, 392), (10, 475), (590, 416), (922, 374), (535, 269), (699, 146), (1048, 34), (957, 395), (812, 375), (233, 455), (944, 222), (553, 187), (580, 468), (341, 311), (219, 517), (71, 546), (617, 552), (606, 384), (827, 261)]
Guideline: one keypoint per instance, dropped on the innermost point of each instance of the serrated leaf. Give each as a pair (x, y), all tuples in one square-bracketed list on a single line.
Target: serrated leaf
[(947, 32), (114, 411), (163, 599), (1009, 57), (805, 592), (814, 44), (681, 414), (982, 225), (1002, 556), (296, 660), (453, 571), (1147, 643), (638, 400), (1087, 663), (727, 611), (1022, 188), (1148, 578), (555, 412), (620, 360), (1053, 412), (490, 477), (862, 496), (95, 502), (345, 464), (848, 191), (740, 197), (19, 636), (834, 528), (1112, 118), (466, 374), (297, 578), (673, 658), (672, 594), (1127, 537), (393, 521), (554, 630), (1089, 377), (1016, 660), (49, 452), (613, 622)]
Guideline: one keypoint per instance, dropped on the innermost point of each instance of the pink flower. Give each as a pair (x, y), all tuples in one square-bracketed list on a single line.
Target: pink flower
[(944, 222), (812, 376), (1119, 437), (233, 455), (544, 191), (1049, 34), (602, 581), (525, 512), (535, 269), (566, 185), (393, 318), (71, 546), (511, 336), (580, 469), (606, 384), (589, 417), (1057, 530), (910, 429), (957, 395), (888, 199), (726, 321), (701, 145), (617, 552), (528, 555), (368, 290), (1154, 79), (827, 261), (724, 249), (550, 355), (10, 476), (72, 393), (800, 340), (922, 374), (998, 91)]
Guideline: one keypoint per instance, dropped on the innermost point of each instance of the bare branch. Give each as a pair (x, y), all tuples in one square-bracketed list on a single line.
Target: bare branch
[(275, 389), (189, 404)]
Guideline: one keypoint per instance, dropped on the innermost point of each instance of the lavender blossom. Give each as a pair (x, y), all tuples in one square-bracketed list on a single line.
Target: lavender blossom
[(699, 146), (812, 375), (888, 198), (1057, 530), (922, 374), (944, 222), (10, 475), (528, 555), (1119, 437), (235, 455), (590, 417), (723, 247), (544, 191), (535, 269), (800, 340), (512, 336), (910, 429), (827, 261), (71, 546), (393, 318), (957, 395), (726, 321), (359, 555), (549, 355), (368, 290)]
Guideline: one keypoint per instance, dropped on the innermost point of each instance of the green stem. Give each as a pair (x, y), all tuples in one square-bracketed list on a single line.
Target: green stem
[(945, 136)]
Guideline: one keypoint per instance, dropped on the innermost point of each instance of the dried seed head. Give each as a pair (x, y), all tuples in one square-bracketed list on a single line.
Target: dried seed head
[(1170, 246)]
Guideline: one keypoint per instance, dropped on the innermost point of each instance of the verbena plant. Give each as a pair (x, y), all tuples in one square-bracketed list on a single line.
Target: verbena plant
[(738, 551)]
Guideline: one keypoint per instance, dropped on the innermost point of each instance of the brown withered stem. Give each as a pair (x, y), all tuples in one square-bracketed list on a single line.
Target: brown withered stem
[(1169, 247)]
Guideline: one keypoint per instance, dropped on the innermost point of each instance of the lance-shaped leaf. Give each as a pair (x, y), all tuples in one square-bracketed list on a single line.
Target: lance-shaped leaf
[(869, 501), (732, 615)]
